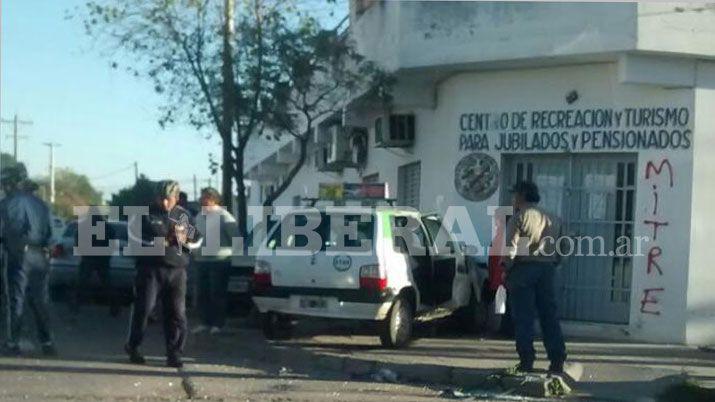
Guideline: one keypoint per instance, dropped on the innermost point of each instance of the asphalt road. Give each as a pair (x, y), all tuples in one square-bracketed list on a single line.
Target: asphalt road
[(92, 366)]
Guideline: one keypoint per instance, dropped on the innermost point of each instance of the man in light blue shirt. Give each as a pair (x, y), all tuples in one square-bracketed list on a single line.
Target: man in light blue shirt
[(26, 234)]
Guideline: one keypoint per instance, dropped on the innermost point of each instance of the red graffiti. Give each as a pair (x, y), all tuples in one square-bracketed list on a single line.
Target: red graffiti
[(649, 299), (651, 168), (654, 253), (656, 226)]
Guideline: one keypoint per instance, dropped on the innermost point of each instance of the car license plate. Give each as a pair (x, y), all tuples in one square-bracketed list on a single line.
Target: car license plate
[(312, 302), (238, 286)]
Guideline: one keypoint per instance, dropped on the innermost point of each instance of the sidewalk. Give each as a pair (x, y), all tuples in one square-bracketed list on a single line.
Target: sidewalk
[(611, 371)]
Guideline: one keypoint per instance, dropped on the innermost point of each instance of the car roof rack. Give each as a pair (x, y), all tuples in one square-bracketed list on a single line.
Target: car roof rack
[(311, 201)]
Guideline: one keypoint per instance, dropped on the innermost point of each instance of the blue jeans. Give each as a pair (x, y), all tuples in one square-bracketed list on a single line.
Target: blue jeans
[(213, 291), (28, 280), (531, 290)]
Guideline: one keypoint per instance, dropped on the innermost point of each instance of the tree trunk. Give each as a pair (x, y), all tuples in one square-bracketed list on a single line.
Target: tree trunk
[(303, 141), (228, 89), (241, 207)]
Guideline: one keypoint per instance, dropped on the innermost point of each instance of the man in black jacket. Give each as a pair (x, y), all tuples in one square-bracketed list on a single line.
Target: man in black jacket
[(163, 274)]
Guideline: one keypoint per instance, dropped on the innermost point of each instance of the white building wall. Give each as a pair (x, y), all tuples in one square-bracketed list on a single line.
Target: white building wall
[(700, 310), (397, 33), (656, 315)]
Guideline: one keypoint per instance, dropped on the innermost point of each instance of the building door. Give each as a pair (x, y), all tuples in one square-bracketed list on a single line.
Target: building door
[(408, 185), (595, 197)]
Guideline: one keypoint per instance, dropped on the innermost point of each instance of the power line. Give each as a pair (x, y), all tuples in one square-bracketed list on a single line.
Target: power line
[(16, 122), (114, 172)]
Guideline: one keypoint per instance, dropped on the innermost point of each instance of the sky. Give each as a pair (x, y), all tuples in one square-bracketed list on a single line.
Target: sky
[(104, 119)]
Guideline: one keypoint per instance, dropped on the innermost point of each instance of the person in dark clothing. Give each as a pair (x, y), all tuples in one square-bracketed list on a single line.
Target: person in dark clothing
[(99, 264), (163, 276), (26, 234), (213, 265), (531, 237)]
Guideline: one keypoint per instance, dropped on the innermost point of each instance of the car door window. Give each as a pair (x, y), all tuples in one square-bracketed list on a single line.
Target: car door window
[(440, 238), (419, 243)]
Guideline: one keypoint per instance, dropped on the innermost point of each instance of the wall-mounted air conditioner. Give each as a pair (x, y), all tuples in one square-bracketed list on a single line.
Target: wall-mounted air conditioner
[(395, 131)]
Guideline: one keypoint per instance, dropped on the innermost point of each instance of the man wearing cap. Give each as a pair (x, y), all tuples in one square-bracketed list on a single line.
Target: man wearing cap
[(531, 260), (163, 275), (26, 234)]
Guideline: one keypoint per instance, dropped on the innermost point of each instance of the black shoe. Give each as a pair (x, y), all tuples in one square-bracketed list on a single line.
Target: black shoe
[(11, 350), (49, 350), (524, 367), (174, 361), (134, 355), (556, 367)]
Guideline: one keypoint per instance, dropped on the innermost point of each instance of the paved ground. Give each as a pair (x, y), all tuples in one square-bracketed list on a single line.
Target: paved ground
[(231, 366), (322, 362)]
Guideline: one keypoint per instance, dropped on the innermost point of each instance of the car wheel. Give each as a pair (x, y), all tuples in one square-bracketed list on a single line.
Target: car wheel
[(275, 326), (396, 329), (474, 317)]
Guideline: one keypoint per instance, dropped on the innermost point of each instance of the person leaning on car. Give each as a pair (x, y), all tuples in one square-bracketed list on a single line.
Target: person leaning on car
[(531, 260), (213, 266), (163, 275)]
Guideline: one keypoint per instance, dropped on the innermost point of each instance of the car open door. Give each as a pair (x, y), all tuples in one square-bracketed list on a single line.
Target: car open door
[(444, 259)]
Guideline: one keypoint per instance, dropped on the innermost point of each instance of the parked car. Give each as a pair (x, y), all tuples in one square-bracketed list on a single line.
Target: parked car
[(385, 284), (65, 264), (57, 226)]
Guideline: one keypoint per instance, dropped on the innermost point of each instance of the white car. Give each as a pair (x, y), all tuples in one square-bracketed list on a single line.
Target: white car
[(386, 282)]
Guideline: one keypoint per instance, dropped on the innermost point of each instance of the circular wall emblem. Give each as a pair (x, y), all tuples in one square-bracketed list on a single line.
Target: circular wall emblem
[(476, 176), (342, 262)]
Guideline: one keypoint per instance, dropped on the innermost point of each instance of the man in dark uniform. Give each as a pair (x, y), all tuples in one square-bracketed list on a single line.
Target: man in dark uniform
[(25, 236), (532, 235), (163, 275)]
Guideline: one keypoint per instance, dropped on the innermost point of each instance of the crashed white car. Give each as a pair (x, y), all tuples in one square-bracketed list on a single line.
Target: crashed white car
[(396, 266)]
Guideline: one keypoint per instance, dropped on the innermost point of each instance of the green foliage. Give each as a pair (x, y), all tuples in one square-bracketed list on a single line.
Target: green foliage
[(6, 161), (142, 193), (275, 74), (71, 189)]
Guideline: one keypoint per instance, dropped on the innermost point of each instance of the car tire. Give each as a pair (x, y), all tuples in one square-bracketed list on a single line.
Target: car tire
[(275, 326), (474, 317), (396, 328)]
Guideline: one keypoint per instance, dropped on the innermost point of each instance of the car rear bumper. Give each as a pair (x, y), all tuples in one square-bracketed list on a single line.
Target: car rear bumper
[(338, 303)]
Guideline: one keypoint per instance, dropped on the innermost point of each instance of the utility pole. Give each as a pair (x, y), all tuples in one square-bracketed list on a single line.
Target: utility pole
[(52, 146), (16, 122), (136, 172)]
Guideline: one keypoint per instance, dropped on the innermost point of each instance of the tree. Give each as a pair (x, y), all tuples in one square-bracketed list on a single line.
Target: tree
[(263, 71), (6, 161), (72, 189), (142, 192)]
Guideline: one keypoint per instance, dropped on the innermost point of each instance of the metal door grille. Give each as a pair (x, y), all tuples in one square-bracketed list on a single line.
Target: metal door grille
[(408, 185), (595, 197)]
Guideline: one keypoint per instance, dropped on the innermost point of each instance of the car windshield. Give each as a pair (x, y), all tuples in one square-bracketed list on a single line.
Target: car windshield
[(330, 237)]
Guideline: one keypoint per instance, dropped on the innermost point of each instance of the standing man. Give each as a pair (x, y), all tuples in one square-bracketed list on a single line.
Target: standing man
[(213, 265), (25, 236), (531, 261), (163, 275)]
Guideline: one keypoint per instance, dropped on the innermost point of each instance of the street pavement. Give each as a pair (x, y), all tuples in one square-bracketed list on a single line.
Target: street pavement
[(322, 362), (230, 366)]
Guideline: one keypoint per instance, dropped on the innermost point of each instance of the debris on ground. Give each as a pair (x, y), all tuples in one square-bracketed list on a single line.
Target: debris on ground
[(385, 375), (513, 385)]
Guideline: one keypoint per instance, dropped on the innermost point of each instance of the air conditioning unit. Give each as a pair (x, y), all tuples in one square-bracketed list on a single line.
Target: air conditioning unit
[(337, 150), (395, 131)]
